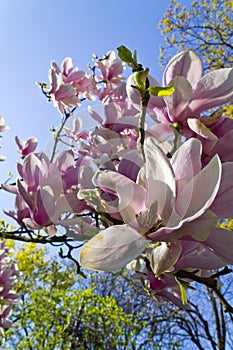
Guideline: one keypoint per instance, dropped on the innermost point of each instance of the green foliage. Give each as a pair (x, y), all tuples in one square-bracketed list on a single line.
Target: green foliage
[(161, 91), (58, 310), (131, 59), (206, 27)]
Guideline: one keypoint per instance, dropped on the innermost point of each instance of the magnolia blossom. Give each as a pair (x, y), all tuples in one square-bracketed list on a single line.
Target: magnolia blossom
[(75, 134), (194, 93), (26, 147), (67, 85), (163, 204), (47, 191), (110, 68), (9, 275)]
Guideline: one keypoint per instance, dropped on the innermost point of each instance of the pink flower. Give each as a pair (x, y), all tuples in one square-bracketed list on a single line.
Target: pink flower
[(46, 191), (111, 69), (114, 118), (172, 200), (26, 147), (9, 275), (75, 134), (194, 94), (68, 86)]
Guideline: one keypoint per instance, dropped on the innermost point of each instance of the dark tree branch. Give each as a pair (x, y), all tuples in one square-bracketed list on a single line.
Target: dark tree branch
[(210, 282)]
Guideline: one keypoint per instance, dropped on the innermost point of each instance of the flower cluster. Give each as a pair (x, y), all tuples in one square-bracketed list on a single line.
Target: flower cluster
[(8, 277), (69, 85), (145, 196)]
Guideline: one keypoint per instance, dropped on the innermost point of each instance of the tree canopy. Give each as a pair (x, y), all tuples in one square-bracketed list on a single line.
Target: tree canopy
[(57, 310), (204, 26)]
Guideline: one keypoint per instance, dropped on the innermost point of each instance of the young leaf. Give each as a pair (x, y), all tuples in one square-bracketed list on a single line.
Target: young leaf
[(183, 288), (161, 91), (125, 55), (140, 78)]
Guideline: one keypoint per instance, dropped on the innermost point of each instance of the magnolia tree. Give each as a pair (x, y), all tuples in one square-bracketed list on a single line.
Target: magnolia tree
[(146, 188)]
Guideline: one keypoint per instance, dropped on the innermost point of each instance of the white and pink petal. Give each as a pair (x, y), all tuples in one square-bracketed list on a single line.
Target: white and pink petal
[(112, 249)]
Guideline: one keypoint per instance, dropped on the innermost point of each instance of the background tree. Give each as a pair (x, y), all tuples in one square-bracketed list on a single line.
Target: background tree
[(192, 327), (57, 310), (206, 27)]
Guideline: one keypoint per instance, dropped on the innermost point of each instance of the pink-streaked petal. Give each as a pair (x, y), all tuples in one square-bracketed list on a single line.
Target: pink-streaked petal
[(200, 192), (132, 93), (213, 90), (52, 81), (174, 299), (177, 229), (186, 64), (191, 230), (223, 126), (220, 241), (31, 224), (178, 102), (112, 249), (186, 161), (209, 139), (86, 174), (76, 125), (160, 179), (214, 118), (130, 165), (35, 168), (55, 67), (75, 78), (203, 259), (67, 95), (131, 195), (222, 148), (64, 161), (223, 203), (26, 196), (127, 122), (95, 115), (67, 66), (111, 110), (45, 206), (201, 129), (160, 132), (9, 188)]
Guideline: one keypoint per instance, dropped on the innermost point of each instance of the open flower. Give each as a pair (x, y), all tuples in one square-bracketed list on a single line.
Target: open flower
[(46, 191), (194, 93), (67, 85), (171, 201), (26, 147)]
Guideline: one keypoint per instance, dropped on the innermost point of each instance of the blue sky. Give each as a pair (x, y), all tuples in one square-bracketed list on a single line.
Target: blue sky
[(32, 33)]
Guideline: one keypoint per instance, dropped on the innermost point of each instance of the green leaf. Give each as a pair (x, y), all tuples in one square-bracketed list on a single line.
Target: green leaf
[(183, 288), (93, 197), (126, 55), (140, 78), (161, 91)]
